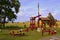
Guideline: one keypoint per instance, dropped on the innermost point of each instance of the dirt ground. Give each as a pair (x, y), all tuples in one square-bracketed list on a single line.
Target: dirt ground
[(51, 38)]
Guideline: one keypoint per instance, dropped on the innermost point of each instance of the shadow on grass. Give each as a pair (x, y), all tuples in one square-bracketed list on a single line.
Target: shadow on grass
[(19, 35)]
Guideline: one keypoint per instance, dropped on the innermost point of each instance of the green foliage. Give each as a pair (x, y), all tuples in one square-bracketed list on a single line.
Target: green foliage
[(6, 9), (52, 19)]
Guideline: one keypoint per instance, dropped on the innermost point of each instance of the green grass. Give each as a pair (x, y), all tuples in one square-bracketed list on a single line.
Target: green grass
[(31, 35)]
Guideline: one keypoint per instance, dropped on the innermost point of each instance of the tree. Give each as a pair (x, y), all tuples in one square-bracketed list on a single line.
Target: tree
[(6, 9), (52, 19)]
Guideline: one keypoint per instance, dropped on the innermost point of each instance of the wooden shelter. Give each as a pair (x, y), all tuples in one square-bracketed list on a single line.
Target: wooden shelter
[(40, 20)]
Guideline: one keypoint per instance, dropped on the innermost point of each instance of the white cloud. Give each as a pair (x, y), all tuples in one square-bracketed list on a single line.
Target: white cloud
[(54, 14)]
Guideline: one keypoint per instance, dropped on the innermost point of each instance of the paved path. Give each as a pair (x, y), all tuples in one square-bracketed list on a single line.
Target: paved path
[(51, 38)]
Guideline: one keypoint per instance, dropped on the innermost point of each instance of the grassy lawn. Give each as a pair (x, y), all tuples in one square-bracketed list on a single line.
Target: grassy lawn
[(31, 35)]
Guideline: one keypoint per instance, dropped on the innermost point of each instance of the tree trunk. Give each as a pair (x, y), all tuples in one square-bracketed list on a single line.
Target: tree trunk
[(4, 23)]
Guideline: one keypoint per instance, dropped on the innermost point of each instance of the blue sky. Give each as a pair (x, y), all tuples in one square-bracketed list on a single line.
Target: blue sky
[(29, 8)]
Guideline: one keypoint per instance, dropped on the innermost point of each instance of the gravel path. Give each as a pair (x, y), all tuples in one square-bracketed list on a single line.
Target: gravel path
[(51, 38)]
